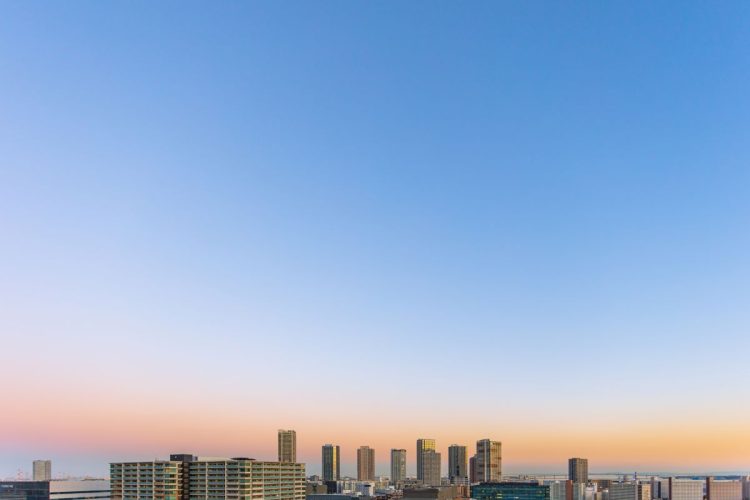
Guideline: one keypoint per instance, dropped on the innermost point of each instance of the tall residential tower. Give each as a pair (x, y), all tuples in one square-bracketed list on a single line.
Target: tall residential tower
[(287, 446), (457, 464), (365, 463), (398, 466), (578, 470), (488, 461)]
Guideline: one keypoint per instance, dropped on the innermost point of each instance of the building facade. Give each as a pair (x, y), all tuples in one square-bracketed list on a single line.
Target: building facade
[(203, 479), (685, 489), (287, 446), (723, 489), (488, 461), (331, 462), (24, 490), (42, 470), (578, 470), (365, 463), (245, 478), (458, 464), (510, 491), (398, 466), (423, 446)]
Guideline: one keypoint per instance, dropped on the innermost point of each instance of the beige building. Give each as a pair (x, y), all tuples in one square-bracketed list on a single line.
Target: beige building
[(578, 470), (287, 446), (365, 463), (685, 489), (42, 470), (244, 478), (211, 478), (723, 489), (488, 461), (159, 479)]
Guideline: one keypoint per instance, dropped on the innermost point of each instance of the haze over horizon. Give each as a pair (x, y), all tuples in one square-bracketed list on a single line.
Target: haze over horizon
[(373, 222)]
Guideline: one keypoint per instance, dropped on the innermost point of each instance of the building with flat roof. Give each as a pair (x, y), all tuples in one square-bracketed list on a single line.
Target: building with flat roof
[(207, 478), (398, 466), (365, 463), (458, 464), (723, 489), (510, 491), (331, 462), (287, 446), (488, 462), (684, 489), (42, 470), (578, 470), (24, 490)]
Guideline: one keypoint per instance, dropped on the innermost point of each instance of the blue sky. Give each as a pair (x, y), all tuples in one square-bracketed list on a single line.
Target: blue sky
[(552, 196)]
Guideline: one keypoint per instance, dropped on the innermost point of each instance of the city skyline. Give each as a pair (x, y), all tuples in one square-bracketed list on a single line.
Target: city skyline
[(350, 202)]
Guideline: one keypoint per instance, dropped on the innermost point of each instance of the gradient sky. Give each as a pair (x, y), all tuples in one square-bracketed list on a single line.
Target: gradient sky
[(373, 222)]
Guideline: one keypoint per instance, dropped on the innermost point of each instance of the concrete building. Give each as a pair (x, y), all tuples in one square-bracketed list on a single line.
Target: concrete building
[(365, 463), (207, 478), (430, 468), (331, 462), (473, 469), (488, 461), (723, 489), (437, 493), (458, 464), (558, 490), (659, 488), (42, 470), (74, 489), (746, 488), (685, 489), (423, 446), (154, 479), (398, 466), (287, 446), (623, 491), (332, 496), (578, 470), (644, 491), (510, 491), (24, 490)]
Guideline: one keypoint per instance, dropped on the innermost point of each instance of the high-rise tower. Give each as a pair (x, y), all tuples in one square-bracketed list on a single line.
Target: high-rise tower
[(457, 464), (578, 470), (365, 463), (488, 461), (287, 446), (398, 466), (331, 462)]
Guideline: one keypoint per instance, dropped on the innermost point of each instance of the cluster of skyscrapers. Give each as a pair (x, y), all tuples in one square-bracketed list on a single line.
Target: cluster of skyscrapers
[(478, 477), (485, 465)]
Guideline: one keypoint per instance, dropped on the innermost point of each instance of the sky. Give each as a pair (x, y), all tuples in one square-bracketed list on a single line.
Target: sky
[(373, 222)]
